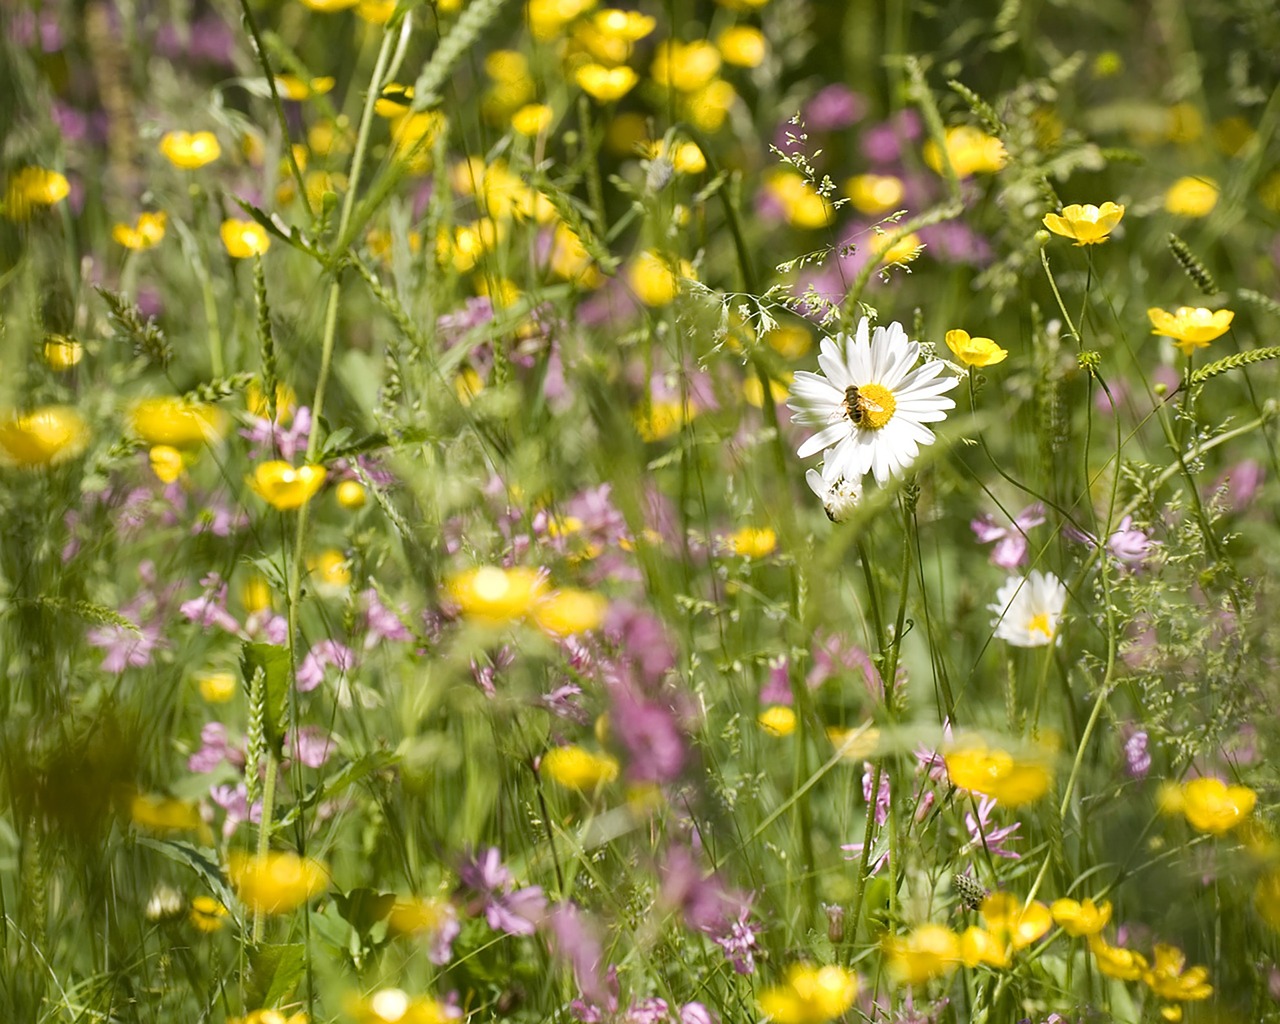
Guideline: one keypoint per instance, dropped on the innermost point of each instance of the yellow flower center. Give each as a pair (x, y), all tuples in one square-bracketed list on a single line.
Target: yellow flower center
[(1041, 624), (878, 405)]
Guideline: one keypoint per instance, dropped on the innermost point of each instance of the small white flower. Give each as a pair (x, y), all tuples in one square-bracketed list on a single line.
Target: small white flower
[(1029, 611), (839, 497), (869, 404)]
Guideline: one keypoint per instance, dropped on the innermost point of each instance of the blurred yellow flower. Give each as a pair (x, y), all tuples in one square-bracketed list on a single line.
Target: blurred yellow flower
[(532, 119), (255, 593), (810, 995), (753, 392), (575, 767), (969, 150), (1191, 197), (996, 773), (495, 595), (1210, 805), (190, 150), (1087, 224), (291, 87), (162, 814), (777, 720), (166, 462), (904, 250), (801, 204), (790, 341), (926, 952), (1116, 961), (547, 18), (276, 882), (708, 108), (1081, 918), (974, 351), (414, 135), (394, 100), (685, 67), (629, 25), (206, 914), (62, 352), (146, 233), (393, 1006), (168, 419), (570, 259), (1190, 327), (244, 238), (351, 495), (854, 744), (1005, 914), (409, 917), (376, 12), (42, 437), (1170, 979), (605, 84), (874, 194), (1185, 123), (31, 187), (979, 946), (329, 6), (283, 487), (570, 612), (269, 1017), (654, 281), (1266, 897), (662, 418), (217, 687), (753, 541), (742, 46)]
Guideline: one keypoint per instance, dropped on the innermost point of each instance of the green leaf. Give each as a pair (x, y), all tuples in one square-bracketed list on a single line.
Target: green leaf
[(363, 908), (286, 233), (274, 972), (274, 662), (199, 861), (362, 767)]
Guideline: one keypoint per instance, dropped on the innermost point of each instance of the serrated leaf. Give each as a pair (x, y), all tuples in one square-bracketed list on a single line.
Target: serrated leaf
[(274, 972), (273, 660), (286, 233)]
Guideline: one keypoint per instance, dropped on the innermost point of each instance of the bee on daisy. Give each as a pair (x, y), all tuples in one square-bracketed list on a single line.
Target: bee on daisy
[(869, 404)]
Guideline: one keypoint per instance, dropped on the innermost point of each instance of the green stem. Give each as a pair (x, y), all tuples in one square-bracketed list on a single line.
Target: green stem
[(264, 829)]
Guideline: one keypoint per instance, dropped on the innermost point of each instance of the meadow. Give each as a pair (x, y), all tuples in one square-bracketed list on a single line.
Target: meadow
[(668, 513)]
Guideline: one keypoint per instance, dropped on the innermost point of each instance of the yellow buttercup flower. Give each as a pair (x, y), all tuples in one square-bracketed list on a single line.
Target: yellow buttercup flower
[(708, 108), (974, 351), (206, 914), (969, 151), (575, 767), (790, 341), (166, 462), (742, 46), (777, 720), (996, 773), (874, 194), (412, 916), (190, 150), (329, 6), (655, 282), (605, 84), (394, 1006), (854, 744), (1171, 980), (494, 595), (926, 952), (145, 234), (1081, 918), (165, 814), (1116, 961), (255, 594), (904, 250), (979, 946), (802, 205), (1190, 327), (43, 437), (244, 238), (351, 495), (61, 352), (283, 487), (685, 67), (1191, 197), (31, 187), (217, 687), (532, 119), (375, 12), (168, 420), (1087, 224), (661, 419), (276, 882), (570, 612), (631, 26), (1210, 805), (547, 18), (1005, 914), (810, 995), (753, 541), (291, 87)]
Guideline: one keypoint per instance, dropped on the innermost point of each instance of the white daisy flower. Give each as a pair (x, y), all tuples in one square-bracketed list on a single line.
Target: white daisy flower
[(1029, 611), (839, 496), (870, 405)]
